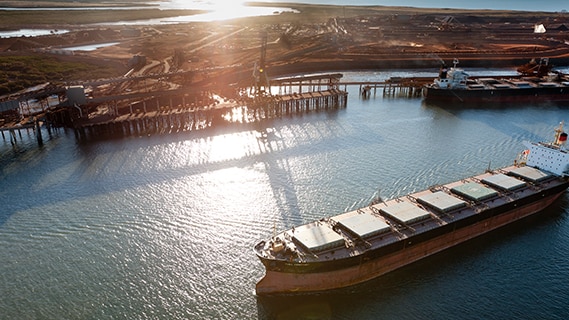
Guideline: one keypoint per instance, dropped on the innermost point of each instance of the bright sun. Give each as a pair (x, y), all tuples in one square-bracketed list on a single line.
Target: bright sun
[(220, 9), (225, 9), (226, 4)]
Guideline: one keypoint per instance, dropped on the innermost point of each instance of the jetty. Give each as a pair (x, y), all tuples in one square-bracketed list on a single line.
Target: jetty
[(150, 112), (15, 129), (163, 111), (198, 108), (393, 87), (172, 119)]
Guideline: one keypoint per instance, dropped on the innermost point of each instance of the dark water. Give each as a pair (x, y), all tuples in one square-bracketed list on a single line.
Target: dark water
[(163, 227)]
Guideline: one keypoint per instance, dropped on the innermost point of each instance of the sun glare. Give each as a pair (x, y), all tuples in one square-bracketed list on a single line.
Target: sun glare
[(225, 5), (228, 9), (233, 146), (219, 10)]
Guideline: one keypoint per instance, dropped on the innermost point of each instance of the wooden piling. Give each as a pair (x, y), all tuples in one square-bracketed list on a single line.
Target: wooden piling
[(174, 119)]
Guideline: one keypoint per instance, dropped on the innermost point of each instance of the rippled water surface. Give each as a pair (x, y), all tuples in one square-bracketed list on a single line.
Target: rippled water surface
[(163, 226)]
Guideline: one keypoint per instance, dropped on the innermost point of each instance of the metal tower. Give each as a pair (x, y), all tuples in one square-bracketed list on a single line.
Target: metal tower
[(261, 85)]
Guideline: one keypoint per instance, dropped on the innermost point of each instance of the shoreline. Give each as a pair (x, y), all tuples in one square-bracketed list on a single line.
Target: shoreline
[(128, 11), (319, 38)]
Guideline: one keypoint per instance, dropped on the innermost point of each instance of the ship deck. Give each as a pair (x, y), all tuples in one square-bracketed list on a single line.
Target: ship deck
[(353, 233), (489, 83)]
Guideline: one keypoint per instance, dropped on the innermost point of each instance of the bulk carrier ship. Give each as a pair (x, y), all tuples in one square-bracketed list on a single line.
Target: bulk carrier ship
[(360, 245), (535, 84)]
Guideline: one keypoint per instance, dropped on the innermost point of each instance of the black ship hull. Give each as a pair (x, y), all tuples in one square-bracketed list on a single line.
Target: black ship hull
[(509, 96)]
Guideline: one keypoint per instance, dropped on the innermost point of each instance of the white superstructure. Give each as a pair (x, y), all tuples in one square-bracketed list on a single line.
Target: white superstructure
[(454, 78), (549, 156)]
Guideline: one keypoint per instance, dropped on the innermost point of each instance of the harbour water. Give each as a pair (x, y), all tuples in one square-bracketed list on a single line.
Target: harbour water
[(90, 47), (162, 227)]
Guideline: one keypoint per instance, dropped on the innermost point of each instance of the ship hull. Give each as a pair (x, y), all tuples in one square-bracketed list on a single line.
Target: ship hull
[(514, 95), (278, 282)]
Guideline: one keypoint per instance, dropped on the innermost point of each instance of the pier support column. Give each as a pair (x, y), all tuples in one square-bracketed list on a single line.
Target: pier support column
[(38, 132), (12, 137)]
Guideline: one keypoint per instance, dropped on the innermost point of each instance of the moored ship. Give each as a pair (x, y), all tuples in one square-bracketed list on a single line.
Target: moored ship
[(536, 84), (360, 245)]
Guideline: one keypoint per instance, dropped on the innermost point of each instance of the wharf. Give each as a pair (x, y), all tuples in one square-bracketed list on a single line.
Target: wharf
[(171, 111), (392, 87), (121, 113), (190, 109), (172, 119), (30, 123), (168, 111)]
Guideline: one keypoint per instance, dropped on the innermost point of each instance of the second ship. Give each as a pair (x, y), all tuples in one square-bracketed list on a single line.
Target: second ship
[(536, 84), (356, 246)]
